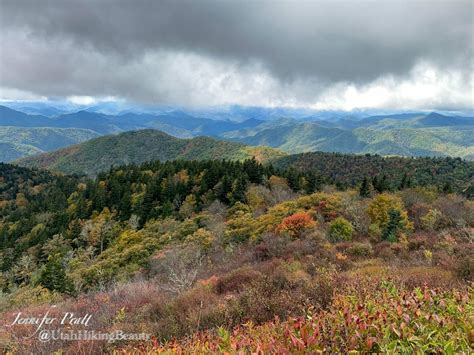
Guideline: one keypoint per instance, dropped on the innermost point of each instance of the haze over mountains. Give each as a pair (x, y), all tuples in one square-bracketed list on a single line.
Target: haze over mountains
[(41, 129)]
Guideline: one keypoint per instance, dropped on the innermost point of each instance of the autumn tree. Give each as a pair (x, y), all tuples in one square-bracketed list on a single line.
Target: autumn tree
[(295, 224)]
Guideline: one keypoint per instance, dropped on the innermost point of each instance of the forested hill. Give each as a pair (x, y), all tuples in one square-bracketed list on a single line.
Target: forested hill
[(345, 170), (161, 189), (137, 147), (349, 170)]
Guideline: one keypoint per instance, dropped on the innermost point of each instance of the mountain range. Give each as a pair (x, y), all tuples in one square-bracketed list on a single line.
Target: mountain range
[(98, 155), (136, 147), (407, 134)]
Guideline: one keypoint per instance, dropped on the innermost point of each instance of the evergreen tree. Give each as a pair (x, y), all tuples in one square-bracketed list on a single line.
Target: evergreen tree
[(365, 189), (53, 276), (125, 207), (293, 179), (313, 183), (447, 188), (406, 182), (238, 191), (394, 226)]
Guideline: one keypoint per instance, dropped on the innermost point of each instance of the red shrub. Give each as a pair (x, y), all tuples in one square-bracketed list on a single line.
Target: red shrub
[(296, 223)]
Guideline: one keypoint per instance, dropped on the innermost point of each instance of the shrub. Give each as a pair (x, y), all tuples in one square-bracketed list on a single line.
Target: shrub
[(430, 221), (386, 319), (360, 249), (237, 280), (32, 296), (465, 268), (340, 230), (296, 223), (203, 238), (385, 208)]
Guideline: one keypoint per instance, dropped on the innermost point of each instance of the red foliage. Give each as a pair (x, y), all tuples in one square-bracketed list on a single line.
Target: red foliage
[(296, 223)]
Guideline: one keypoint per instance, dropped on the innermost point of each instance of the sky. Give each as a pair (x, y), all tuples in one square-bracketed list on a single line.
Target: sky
[(323, 55)]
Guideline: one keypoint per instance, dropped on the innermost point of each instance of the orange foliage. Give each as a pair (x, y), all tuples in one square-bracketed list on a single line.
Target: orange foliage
[(296, 223)]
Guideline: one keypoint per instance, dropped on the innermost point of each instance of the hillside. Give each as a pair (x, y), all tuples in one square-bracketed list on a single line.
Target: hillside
[(12, 151), (139, 146), (350, 169), (403, 136), (347, 170), (34, 140), (218, 256)]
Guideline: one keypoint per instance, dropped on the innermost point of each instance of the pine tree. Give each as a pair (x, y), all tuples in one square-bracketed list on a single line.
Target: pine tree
[(313, 183), (394, 226), (54, 277), (293, 179), (382, 184), (366, 188), (406, 182), (447, 188), (238, 191), (125, 207)]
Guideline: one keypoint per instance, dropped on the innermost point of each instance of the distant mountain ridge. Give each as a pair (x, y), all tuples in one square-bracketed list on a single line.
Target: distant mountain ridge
[(407, 134), (17, 142), (137, 147)]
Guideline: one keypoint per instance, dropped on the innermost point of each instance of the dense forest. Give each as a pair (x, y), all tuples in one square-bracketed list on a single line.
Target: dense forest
[(136, 147), (188, 248), (348, 170)]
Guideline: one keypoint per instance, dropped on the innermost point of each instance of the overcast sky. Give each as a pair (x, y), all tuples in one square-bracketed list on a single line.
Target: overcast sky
[(405, 54)]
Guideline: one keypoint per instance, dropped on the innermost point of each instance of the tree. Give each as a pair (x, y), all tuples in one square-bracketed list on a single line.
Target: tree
[(238, 191), (293, 225), (447, 188), (188, 206), (180, 268), (406, 182), (394, 227), (53, 276), (366, 188), (293, 179), (313, 183), (340, 230), (387, 209)]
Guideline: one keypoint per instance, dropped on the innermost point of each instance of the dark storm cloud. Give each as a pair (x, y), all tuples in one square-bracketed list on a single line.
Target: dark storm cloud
[(329, 41)]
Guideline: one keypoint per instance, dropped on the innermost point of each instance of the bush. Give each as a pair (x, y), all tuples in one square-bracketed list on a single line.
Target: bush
[(430, 221), (296, 223), (360, 249), (340, 230), (237, 280), (465, 268), (382, 208), (33, 295)]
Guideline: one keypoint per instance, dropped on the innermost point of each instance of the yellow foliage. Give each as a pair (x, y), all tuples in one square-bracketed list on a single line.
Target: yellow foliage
[(380, 206), (277, 181), (202, 237), (21, 200)]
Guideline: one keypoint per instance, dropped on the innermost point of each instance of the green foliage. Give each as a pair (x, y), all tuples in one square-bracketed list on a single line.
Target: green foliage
[(340, 230), (17, 142), (417, 135), (385, 319), (53, 276), (351, 170), (136, 147), (394, 226), (366, 188)]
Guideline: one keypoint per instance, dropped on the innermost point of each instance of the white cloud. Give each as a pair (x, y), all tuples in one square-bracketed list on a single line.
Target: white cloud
[(7, 94), (85, 76), (426, 87), (82, 100)]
